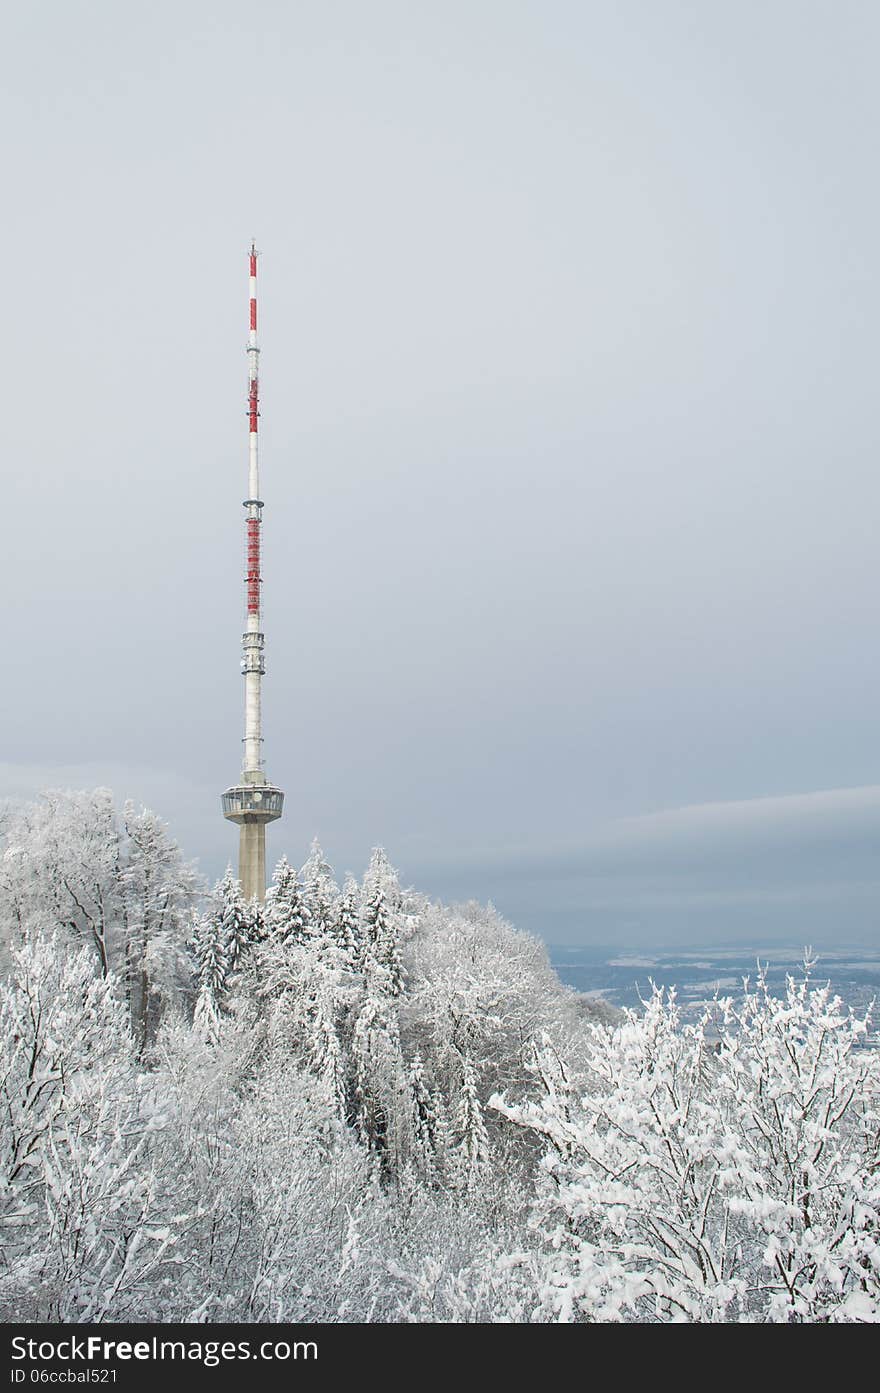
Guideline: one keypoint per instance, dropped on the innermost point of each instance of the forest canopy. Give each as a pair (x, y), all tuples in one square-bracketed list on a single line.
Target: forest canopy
[(355, 1104)]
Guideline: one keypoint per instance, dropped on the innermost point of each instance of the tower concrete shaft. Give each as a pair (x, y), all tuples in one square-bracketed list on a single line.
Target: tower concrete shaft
[(254, 801)]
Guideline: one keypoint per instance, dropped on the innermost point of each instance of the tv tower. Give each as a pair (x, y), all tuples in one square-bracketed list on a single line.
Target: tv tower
[(254, 801)]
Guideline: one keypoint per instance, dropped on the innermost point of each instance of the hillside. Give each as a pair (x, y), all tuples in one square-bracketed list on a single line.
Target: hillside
[(355, 1104)]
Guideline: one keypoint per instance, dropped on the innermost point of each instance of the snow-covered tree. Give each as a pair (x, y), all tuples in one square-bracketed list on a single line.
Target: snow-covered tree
[(802, 1112), (326, 1054), (311, 1142), (157, 891), (481, 990), (380, 929), (221, 939), (380, 1084), (208, 948), (320, 892), (471, 1151), (115, 882), (235, 924), (345, 924), (710, 1181), (84, 1230), (425, 1124), (286, 912), (60, 866)]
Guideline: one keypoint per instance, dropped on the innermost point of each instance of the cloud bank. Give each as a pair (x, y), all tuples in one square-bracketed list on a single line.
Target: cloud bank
[(754, 866)]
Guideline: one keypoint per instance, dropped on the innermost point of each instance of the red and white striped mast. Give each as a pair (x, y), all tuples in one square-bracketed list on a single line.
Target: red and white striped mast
[(253, 802), (253, 664)]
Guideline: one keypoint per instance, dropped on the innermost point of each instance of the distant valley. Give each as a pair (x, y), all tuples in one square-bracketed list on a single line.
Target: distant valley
[(623, 976)]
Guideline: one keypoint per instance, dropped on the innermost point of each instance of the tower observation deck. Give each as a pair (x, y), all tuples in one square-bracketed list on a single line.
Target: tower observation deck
[(253, 801)]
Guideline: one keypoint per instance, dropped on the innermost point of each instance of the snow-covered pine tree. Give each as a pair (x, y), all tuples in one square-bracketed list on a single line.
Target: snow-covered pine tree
[(320, 892), (219, 942), (380, 1085), (286, 912), (345, 924), (235, 919), (380, 922), (442, 1131), (471, 1151), (208, 948), (256, 913), (326, 1051), (424, 1122)]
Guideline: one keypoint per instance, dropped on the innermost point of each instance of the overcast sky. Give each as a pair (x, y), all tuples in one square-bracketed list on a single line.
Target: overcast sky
[(569, 440)]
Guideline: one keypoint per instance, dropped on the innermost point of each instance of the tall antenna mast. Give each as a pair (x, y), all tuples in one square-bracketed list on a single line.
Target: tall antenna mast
[(254, 801)]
